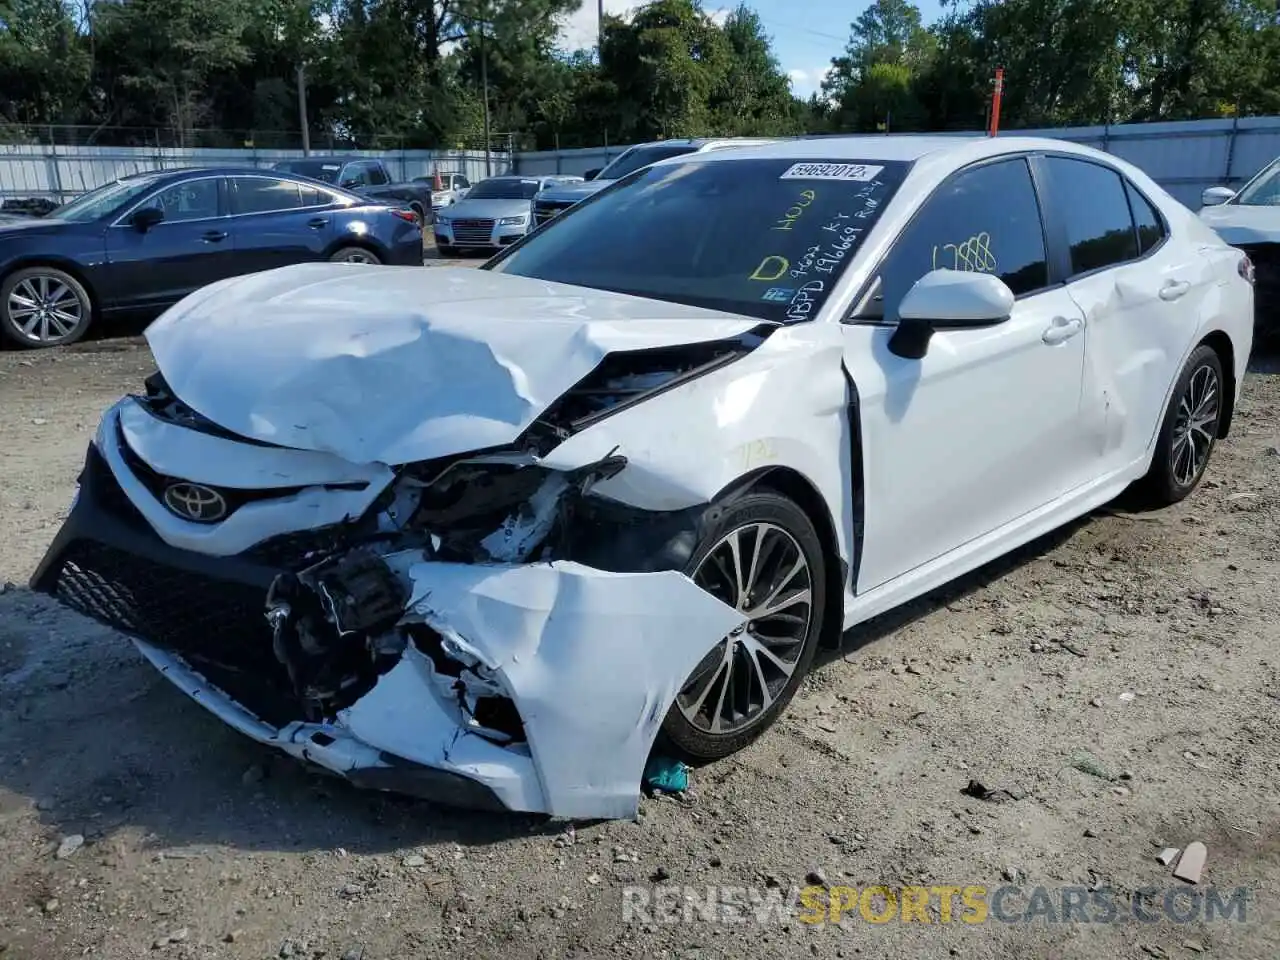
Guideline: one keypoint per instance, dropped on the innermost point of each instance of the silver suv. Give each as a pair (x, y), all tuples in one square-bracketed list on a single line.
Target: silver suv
[(556, 199)]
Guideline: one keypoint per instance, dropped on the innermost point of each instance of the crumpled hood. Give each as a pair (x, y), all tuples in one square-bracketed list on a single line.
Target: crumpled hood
[(573, 191), (1237, 223), (399, 364)]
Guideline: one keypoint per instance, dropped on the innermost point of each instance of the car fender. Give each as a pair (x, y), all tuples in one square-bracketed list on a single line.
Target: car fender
[(783, 406)]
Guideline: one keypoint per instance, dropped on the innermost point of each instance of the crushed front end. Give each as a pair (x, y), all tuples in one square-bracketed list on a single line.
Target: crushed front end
[(479, 630)]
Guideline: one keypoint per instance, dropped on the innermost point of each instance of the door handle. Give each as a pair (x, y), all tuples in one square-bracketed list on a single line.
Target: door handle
[(1173, 289), (315, 223), (1062, 330), (214, 236)]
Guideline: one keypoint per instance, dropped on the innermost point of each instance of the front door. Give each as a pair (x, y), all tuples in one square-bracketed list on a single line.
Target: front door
[(984, 428), (189, 248)]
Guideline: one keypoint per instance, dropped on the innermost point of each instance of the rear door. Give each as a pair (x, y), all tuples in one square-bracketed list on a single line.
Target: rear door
[(277, 222), (192, 246), (1141, 295)]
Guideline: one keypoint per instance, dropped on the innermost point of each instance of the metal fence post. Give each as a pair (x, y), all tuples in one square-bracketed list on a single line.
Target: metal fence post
[(52, 163), (1231, 147)]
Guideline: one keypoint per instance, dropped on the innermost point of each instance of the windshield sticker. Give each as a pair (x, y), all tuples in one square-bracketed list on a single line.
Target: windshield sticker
[(856, 172), (796, 211), (973, 256), (778, 294), (329, 166)]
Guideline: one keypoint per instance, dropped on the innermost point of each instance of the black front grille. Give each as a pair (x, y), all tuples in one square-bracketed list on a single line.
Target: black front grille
[(218, 626), (473, 231), (544, 210)]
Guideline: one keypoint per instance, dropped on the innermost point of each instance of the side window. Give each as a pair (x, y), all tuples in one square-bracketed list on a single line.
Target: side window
[(355, 175), (193, 200), (314, 196), (378, 174), (265, 195), (985, 220), (461, 183), (1093, 206), (1146, 219)]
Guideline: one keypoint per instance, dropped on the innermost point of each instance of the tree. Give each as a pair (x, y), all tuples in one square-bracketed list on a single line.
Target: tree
[(165, 52), (753, 95), (44, 66), (873, 81)]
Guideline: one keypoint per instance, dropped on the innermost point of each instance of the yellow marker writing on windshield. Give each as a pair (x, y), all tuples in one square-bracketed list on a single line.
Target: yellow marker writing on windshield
[(779, 265)]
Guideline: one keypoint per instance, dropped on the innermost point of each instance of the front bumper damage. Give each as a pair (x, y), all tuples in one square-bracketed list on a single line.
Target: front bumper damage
[(522, 682)]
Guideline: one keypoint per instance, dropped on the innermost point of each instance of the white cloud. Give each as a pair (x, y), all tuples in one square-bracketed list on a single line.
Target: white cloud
[(579, 30), (809, 80)]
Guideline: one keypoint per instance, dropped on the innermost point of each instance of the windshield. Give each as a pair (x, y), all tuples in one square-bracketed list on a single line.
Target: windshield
[(1265, 189), (762, 238), (99, 203), (326, 170), (504, 188), (637, 157)]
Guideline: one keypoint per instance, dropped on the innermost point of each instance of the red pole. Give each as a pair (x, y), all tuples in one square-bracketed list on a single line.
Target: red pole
[(995, 102)]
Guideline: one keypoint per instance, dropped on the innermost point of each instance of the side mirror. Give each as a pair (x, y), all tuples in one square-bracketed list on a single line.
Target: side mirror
[(948, 300), (1216, 196), (591, 174), (144, 218)]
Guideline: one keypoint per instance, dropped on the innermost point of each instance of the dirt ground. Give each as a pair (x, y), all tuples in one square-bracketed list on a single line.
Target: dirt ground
[(1146, 642)]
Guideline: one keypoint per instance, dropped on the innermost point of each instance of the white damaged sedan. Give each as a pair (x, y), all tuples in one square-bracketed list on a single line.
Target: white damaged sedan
[(491, 537)]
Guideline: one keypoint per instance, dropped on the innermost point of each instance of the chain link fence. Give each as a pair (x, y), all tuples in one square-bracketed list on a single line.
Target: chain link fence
[(41, 165)]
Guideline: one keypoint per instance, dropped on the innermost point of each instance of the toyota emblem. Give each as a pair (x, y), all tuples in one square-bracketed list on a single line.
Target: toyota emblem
[(194, 502)]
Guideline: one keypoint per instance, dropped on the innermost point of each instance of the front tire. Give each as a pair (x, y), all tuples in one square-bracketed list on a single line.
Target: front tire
[(1188, 432), (43, 307), (355, 255), (763, 556)]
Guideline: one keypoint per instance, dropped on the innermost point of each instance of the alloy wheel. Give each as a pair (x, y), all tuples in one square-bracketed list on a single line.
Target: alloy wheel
[(761, 570), (358, 256), (1196, 425), (43, 309)]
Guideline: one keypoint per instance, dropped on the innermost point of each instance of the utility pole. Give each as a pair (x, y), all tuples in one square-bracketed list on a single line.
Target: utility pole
[(302, 112), (484, 87), (600, 30)]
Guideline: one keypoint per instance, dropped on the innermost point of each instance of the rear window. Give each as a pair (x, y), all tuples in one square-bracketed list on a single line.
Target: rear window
[(638, 157), (765, 238), (504, 188)]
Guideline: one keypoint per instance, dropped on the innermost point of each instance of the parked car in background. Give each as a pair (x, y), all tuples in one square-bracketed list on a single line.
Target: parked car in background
[(369, 178), (146, 241), (1250, 220), (453, 187), (558, 198), (495, 213)]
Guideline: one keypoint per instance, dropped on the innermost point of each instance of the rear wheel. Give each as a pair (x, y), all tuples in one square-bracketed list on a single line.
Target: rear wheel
[(43, 307), (1188, 431), (763, 557), (355, 255)]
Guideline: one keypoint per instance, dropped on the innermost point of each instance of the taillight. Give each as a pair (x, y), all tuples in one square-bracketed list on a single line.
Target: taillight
[(406, 215), (1245, 266)]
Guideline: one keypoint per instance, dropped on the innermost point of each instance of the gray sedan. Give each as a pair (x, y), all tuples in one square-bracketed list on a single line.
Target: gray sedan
[(495, 213)]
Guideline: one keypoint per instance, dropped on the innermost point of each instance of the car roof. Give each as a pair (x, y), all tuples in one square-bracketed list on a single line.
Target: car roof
[(909, 148)]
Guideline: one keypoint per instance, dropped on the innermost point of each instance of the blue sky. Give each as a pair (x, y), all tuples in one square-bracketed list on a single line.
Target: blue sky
[(806, 33)]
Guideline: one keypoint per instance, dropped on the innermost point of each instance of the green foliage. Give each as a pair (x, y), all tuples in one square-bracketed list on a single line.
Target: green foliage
[(414, 72)]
